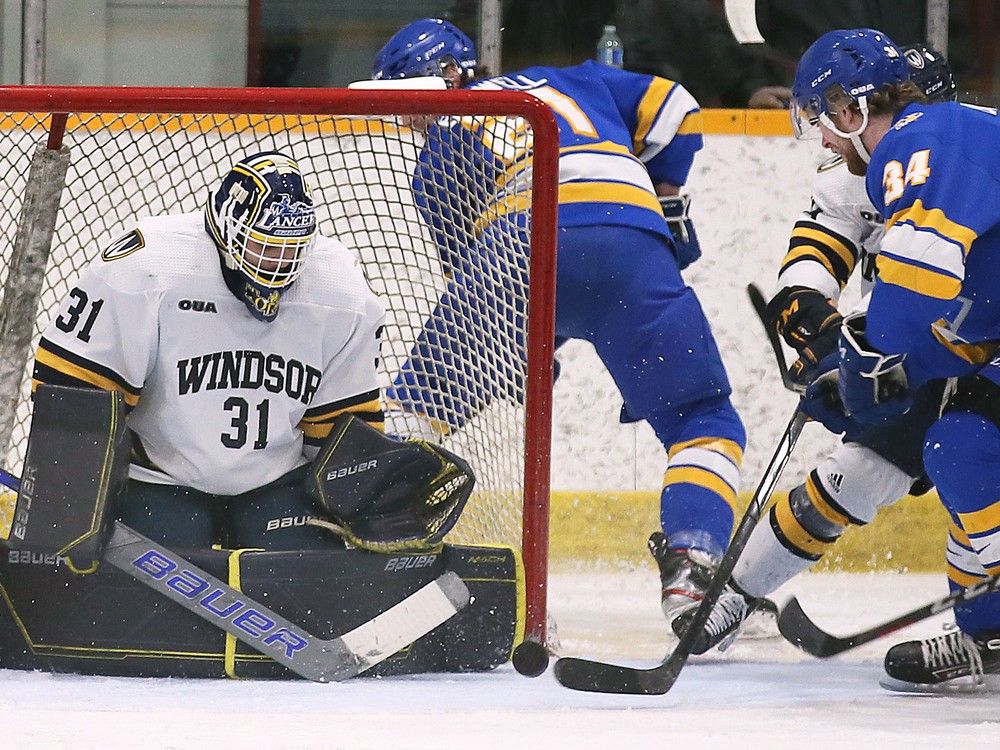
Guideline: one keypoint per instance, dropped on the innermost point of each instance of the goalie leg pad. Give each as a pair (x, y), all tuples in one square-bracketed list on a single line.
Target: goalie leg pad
[(74, 470), (48, 620)]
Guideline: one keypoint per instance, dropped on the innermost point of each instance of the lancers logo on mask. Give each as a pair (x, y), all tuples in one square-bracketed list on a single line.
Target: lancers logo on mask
[(287, 218)]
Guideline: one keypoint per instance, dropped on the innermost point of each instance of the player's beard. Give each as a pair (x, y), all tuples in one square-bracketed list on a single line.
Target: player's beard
[(855, 164)]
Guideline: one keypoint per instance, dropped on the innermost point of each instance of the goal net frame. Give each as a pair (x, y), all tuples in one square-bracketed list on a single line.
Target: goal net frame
[(40, 207)]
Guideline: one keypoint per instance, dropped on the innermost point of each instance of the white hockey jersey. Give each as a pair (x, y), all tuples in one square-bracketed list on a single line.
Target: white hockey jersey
[(222, 402), (839, 232)]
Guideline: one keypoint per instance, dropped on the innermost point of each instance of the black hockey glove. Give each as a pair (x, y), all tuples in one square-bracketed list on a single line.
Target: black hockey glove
[(685, 240), (809, 323), (387, 495)]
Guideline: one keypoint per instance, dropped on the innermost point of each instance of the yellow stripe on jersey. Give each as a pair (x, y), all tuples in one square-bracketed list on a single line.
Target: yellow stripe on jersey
[(981, 521), (692, 124), (728, 448), (936, 220), (920, 280), (812, 253), (648, 109), (828, 241), (793, 531), (511, 204), (976, 354), (609, 147), (702, 478), (45, 357), (608, 192), (318, 426), (824, 508)]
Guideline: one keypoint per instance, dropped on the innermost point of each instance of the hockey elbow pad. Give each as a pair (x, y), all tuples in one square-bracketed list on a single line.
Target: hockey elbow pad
[(685, 240), (809, 323)]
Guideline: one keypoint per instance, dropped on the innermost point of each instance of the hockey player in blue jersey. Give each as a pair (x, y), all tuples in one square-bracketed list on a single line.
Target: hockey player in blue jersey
[(932, 171), (627, 143), (836, 239)]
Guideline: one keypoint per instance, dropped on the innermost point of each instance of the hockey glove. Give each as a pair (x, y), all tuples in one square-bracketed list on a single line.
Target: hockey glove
[(386, 495), (808, 322), (821, 401), (685, 240), (872, 385)]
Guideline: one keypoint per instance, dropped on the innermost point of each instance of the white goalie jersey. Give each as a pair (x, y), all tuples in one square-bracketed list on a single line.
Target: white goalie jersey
[(221, 402), (840, 232)]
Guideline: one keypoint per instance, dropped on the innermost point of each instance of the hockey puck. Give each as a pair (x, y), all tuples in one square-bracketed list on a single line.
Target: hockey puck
[(530, 658)]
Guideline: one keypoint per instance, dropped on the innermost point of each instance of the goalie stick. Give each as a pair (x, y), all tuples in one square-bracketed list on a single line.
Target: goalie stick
[(760, 307), (601, 677), (798, 629), (310, 657)]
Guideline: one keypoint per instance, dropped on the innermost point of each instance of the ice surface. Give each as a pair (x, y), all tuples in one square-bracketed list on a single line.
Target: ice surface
[(761, 694)]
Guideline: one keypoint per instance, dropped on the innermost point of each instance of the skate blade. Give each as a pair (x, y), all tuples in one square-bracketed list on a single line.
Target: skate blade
[(959, 686)]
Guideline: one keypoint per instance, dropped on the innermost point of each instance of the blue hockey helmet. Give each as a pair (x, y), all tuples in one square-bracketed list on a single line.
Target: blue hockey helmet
[(931, 72), (425, 48), (262, 220), (851, 63)]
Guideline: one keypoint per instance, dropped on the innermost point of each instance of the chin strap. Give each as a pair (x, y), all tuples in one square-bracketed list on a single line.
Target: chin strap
[(855, 135)]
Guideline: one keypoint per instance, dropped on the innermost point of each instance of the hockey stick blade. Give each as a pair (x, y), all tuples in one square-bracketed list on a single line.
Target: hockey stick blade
[(798, 629), (759, 304), (316, 659), (600, 677)]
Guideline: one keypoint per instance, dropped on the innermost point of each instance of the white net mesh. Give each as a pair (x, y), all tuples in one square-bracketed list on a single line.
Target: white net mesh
[(124, 166)]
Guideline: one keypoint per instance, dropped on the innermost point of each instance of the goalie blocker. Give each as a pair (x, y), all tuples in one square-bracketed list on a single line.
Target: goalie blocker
[(52, 618)]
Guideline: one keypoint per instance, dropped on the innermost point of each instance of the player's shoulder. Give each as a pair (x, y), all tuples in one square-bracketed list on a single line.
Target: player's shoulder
[(332, 276), (155, 252), (920, 124), (834, 185)]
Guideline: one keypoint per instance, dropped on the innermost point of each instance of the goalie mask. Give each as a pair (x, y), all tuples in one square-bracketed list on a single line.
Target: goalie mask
[(262, 221), (843, 66), (425, 48)]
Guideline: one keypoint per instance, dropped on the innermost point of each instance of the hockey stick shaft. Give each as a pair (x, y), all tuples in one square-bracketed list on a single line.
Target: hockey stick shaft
[(320, 660), (594, 676), (797, 627), (759, 303)]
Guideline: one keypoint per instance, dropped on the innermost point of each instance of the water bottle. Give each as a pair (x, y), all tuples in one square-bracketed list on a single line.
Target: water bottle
[(609, 48)]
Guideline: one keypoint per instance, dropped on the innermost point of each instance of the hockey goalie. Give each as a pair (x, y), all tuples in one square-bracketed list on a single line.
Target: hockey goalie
[(240, 347)]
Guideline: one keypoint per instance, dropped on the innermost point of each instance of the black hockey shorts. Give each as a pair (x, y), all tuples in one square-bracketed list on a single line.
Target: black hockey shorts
[(272, 517)]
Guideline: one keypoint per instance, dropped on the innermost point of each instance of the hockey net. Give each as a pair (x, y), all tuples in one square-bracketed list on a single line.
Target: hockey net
[(79, 165)]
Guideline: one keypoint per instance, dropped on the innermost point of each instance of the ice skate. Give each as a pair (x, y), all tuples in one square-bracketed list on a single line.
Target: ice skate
[(684, 575), (951, 662)]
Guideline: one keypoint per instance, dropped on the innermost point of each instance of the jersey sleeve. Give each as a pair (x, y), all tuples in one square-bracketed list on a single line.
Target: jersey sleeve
[(452, 183), (349, 383), (665, 121), (926, 190), (101, 337), (825, 242)]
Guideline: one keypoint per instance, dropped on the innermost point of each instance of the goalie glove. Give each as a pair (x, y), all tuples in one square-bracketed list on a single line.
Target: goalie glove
[(872, 385), (386, 495), (685, 240), (809, 323)]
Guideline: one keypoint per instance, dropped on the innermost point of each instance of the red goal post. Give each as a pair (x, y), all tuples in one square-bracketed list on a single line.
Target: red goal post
[(78, 164)]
